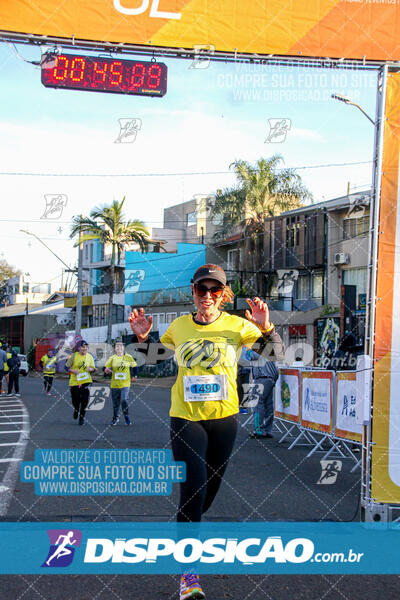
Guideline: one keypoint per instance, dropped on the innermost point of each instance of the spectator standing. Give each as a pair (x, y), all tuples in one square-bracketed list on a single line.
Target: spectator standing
[(14, 364)]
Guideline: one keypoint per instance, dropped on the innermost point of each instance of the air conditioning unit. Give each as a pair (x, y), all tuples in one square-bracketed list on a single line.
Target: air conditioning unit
[(341, 258)]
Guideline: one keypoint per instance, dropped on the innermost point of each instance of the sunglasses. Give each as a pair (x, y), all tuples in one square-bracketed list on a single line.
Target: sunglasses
[(215, 291)]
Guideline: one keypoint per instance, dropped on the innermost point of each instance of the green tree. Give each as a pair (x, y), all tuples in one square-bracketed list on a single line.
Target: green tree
[(107, 223), (6, 272), (263, 190)]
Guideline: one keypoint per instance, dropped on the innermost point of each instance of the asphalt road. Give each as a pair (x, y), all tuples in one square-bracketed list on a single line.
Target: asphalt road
[(264, 482)]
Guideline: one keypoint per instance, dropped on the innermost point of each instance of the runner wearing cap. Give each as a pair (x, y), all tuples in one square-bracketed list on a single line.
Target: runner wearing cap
[(80, 364), (204, 398)]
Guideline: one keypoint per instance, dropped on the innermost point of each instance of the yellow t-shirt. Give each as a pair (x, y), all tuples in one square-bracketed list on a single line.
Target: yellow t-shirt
[(77, 361), (6, 367), (119, 365), (49, 364), (207, 357)]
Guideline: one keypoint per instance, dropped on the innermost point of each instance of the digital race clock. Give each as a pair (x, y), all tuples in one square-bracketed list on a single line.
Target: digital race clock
[(120, 76)]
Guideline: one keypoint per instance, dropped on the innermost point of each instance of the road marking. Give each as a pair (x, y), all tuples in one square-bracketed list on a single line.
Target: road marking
[(12, 423), (11, 475), (12, 444), (11, 459), (3, 488)]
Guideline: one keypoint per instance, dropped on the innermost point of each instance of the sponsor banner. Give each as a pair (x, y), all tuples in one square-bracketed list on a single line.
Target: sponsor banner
[(156, 548), (315, 28), (385, 483), (316, 400), (287, 395), (346, 425)]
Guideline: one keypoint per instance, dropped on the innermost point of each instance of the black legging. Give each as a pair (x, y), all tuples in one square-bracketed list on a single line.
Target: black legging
[(48, 382), (205, 446), (80, 397), (13, 380)]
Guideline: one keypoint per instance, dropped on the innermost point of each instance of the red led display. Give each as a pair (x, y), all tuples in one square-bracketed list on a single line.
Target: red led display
[(76, 72)]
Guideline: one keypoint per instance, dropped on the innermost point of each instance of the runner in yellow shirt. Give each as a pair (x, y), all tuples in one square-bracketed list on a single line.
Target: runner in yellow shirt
[(48, 364), (80, 365), (123, 369), (204, 398)]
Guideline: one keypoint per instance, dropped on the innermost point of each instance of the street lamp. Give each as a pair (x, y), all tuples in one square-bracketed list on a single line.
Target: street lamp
[(78, 313), (347, 100)]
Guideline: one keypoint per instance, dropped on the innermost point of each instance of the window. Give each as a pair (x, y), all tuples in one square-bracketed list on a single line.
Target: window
[(158, 319), (317, 285), (356, 277), (184, 313), (191, 218), (355, 227), (233, 259), (25, 288), (171, 316), (91, 252), (303, 287), (86, 251)]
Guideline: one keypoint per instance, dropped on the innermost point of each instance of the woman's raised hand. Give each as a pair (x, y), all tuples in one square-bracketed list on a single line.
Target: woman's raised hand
[(259, 313), (139, 324)]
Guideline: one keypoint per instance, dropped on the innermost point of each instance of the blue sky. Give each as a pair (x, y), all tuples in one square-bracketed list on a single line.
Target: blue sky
[(208, 118)]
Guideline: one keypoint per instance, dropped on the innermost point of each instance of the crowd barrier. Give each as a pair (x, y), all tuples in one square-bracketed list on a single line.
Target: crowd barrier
[(318, 408)]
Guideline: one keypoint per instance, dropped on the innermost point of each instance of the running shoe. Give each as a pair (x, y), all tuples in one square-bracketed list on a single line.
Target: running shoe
[(75, 414), (114, 421), (127, 420), (81, 421), (190, 587), (256, 435), (18, 395), (243, 411)]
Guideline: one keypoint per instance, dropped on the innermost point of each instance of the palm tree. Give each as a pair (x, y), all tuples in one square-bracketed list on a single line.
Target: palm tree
[(108, 225), (264, 190)]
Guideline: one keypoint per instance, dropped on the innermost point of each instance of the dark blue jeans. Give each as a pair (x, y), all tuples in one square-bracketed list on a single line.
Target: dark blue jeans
[(119, 398)]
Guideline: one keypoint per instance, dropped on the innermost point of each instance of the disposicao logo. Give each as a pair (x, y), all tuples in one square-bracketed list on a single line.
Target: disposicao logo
[(62, 547), (213, 550)]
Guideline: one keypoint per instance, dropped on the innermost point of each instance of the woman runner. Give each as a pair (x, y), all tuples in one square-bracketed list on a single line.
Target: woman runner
[(80, 365), (48, 364), (123, 368), (204, 398)]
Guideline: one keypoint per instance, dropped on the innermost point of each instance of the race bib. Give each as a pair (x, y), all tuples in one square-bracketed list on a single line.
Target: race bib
[(119, 375), (82, 376), (204, 388)]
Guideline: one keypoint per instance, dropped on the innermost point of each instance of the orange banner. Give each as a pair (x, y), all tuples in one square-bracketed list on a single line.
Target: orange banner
[(385, 469), (287, 395), (315, 28)]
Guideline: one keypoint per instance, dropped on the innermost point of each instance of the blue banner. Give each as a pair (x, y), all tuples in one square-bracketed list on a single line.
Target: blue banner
[(225, 548)]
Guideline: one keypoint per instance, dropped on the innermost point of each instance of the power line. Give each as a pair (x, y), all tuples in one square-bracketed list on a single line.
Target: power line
[(184, 174)]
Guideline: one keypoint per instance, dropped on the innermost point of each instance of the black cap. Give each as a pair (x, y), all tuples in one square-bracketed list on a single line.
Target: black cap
[(210, 272), (82, 343)]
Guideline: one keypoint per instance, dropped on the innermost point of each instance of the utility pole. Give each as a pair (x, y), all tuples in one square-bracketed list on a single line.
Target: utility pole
[(78, 313)]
